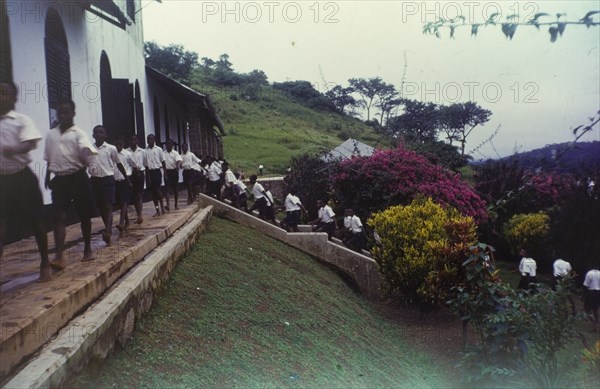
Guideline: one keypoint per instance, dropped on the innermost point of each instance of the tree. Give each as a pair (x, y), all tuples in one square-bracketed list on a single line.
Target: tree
[(396, 177), (509, 27), (341, 98), (441, 153), (418, 123), (367, 90), (460, 119), (172, 60), (306, 94)]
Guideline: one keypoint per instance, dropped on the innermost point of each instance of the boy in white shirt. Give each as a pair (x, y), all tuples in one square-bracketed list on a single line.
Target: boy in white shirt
[(260, 201), (20, 195), (528, 269), (138, 157), (172, 164), (353, 231), (592, 297), (123, 185), (229, 179), (214, 178), (326, 219), (68, 149), (270, 206), (239, 191), (293, 206), (102, 168), (190, 171), (155, 159)]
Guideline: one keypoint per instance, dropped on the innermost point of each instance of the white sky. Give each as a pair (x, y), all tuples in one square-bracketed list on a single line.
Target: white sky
[(537, 90)]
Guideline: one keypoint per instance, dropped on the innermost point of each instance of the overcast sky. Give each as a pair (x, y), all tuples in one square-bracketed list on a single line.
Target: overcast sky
[(537, 90)]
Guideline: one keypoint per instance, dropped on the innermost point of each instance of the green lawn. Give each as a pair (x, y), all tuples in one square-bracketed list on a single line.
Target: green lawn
[(244, 310)]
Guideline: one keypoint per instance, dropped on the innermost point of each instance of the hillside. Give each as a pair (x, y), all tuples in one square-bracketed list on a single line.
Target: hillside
[(261, 314), (273, 127)]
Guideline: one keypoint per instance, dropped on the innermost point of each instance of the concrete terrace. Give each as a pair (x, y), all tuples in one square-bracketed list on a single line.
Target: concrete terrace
[(32, 313)]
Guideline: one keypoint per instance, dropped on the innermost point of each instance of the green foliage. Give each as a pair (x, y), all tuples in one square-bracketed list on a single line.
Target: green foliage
[(309, 178), (522, 334), (527, 231), (306, 94), (441, 153), (172, 60), (420, 248)]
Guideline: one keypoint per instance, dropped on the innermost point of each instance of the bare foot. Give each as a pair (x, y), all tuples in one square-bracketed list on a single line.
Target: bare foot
[(120, 227), (176, 207), (157, 214), (106, 237), (167, 208), (58, 264), (139, 220), (87, 257), (45, 273)]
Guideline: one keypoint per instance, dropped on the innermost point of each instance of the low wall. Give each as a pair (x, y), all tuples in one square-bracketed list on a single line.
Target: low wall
[(112, 318), (361, 268)]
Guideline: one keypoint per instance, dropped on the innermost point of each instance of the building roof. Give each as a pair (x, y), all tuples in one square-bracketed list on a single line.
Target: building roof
[(350, 148), (185, 95)]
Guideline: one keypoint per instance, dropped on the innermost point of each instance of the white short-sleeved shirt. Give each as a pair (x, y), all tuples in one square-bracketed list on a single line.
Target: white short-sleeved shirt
[(188, 160), (528, 265), (353, 224), (126, 161), (240, 185), (561, 268), (171, 159), (269, 197), (257, 191), (292, 203), (592, 280), (154, 157), (104, 162), (326, 214), (67, 152), (16, 128), (229, 178), (214, 171), (138, 156)]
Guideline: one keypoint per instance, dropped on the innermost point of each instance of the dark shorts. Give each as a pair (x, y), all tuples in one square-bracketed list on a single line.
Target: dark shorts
[(214, 188), (270, 212), (329, 228), (122, 192), (20, 196), (154, 178), (137, 183), (189, 177), (173, 178), (104, 190), (592, 300), (73, 188), (292, 218)]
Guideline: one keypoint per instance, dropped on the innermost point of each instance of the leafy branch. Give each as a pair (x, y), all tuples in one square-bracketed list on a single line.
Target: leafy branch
[(509, 26)]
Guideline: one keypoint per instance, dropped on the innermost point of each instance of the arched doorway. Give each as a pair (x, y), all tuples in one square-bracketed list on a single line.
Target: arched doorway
[(58, 67)]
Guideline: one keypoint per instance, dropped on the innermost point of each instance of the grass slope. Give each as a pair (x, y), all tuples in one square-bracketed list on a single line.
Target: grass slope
[(243, 310), (274, 128)]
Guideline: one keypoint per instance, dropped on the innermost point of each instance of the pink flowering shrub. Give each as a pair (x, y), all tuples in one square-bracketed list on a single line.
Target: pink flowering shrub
[(396, 177)]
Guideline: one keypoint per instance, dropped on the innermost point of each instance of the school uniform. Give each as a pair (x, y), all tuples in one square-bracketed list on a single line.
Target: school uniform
[(592, 295), (67, 155), (561, 269), (102, 166), (528, 269), (122, 189), (239, 188), (214, 179), (172, 160), (154, 159), (138, 166), (20, 195), (188, 162), (327, 221), (292, 210), (269, 206), (229, 181), (353, 238)]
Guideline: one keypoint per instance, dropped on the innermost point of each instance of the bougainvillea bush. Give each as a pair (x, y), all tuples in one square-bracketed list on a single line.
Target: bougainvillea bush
[(420, 249), (396, 177)]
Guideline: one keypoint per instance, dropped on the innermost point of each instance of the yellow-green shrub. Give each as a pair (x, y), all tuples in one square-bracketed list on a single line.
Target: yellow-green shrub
[(421, 247), (527, 231)]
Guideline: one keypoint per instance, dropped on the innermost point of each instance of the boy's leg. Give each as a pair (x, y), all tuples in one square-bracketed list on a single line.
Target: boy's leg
[(86, 231), (59, 240), (84, 202)]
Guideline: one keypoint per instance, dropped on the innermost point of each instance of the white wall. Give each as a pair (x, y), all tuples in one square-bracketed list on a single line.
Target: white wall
[(87, 35)]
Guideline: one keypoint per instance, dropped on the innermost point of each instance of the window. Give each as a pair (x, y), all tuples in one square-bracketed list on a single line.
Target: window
[(131, 9), (58, 68)]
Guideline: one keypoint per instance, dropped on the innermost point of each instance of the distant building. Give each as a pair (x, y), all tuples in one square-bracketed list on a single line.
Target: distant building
[(93, 53), (350, 148)]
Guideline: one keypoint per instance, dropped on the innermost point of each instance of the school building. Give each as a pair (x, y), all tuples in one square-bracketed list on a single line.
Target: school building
[(93, 53)]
